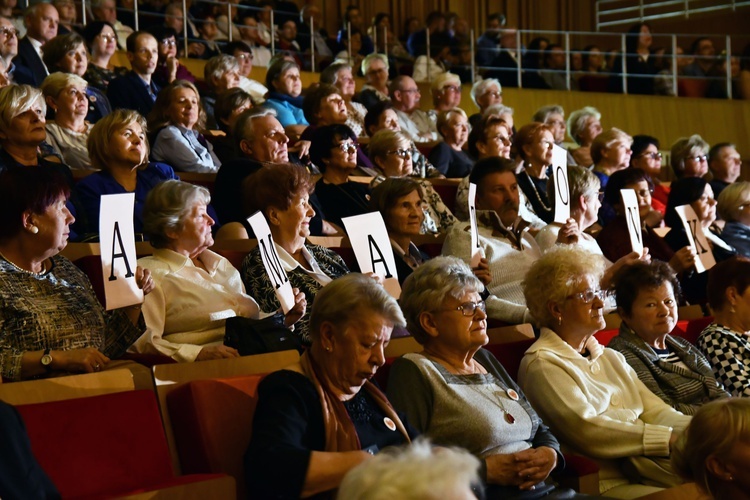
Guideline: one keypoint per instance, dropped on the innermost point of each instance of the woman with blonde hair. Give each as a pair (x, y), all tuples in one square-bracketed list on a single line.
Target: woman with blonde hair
[(448, 156), (176, 122), (118, 147), (610, 152), (591, 398), (714, 452), (734, 209), (375, 71), (65, 94)]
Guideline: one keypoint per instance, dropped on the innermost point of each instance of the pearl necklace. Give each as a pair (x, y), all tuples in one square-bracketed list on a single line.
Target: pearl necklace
[(19, 268), (536, 192)]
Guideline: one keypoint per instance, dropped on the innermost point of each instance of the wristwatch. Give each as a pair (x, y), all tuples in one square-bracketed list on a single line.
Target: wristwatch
[(47, 359)]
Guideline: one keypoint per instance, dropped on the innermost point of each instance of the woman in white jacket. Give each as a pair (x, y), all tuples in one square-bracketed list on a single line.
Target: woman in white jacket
[(591, 398)]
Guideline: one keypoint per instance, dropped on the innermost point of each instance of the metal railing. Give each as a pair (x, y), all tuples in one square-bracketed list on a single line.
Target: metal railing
[(616, 41), (628, 12)]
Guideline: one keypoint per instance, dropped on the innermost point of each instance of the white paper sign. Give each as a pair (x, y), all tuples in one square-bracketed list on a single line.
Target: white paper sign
[(372, 248), (633, 219), (697, 238), (476, 250), (272, 262), (562, 187), (117, 248)]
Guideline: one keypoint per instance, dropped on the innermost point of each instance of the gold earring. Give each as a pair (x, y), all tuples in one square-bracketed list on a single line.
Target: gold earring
[(33, 229), (559, 320)]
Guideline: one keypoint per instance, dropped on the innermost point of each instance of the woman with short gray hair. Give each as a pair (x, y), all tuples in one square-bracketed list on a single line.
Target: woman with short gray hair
[(320, 417), (196, 289), (583, 127), (446, 314), (284, 93), (340, 75)]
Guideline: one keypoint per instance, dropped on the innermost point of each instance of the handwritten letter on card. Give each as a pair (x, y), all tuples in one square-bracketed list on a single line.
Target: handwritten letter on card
[(372, 248), (117, 248), (697, 238), (271, 261)]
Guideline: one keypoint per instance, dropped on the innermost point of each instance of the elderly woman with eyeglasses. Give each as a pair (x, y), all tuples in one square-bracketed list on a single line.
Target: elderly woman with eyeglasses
[(454, 380), (392, 155), (375, 70), (67, 53), (689, 157), (485, 93), (591, 398), (340, 75), (334, 151), (68, 132), (448, 155), (284, 89), (647, 157), (583, 127), (534, 144)]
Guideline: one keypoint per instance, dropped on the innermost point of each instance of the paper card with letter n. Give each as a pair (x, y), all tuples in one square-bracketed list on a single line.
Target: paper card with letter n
[(476, 250), (562, 188), (271, 261), (117, 248), (633, 219), (697, 238), (372, 248)]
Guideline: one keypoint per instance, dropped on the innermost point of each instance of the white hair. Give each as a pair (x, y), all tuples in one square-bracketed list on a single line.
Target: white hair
[(481, 86)]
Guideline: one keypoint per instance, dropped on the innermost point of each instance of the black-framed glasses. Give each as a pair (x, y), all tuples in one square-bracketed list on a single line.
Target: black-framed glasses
[(107, 37), (348, 147), (588, 296), (699, 158), (246, 55), (401, 153), (169, 42), (469, 308), (653, 156)]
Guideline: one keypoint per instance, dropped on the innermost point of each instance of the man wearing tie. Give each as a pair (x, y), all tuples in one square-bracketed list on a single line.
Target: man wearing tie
[(136, 90), (41, 22)]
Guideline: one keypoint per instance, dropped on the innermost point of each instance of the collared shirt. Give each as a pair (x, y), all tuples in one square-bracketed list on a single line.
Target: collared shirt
[(417, 125), (184, 149), (412, 256), (38, 48), (290, 264), (150, 87)]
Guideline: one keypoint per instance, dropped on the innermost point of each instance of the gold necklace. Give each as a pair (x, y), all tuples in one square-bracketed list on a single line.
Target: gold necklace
[(19, 268)]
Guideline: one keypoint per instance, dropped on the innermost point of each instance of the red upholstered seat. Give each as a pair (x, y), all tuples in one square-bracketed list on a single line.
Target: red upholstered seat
[(604, 336), (510, 354), (447, 193), (691, 329), (102, 446), (212, 424)]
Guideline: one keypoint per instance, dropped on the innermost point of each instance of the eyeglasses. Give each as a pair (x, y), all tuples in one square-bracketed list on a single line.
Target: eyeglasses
[(644, 193), (169, 42), (588, 296), (547, 144), (699, 158), (9, 32), (469, 308), (503, 139), (653, 156), (245, 56), (402, 153), (452, 88), (494, 94), (348, 147), (411, 91), (108, 38)]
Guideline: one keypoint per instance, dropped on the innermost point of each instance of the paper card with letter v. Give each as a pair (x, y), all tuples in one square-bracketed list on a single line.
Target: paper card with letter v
[(117, 249), (372, 248)]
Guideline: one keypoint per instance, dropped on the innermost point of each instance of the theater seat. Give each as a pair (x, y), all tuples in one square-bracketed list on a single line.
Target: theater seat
[(106, 446), (212, 424), (510, 354)]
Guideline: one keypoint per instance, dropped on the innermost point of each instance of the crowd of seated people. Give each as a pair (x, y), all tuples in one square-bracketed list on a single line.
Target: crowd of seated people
[(295, 155)]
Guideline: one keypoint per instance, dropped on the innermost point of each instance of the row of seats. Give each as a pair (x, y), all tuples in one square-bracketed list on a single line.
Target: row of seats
[(108, 439)]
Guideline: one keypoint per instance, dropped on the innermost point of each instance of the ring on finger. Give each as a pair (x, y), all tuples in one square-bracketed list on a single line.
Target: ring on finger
[(97, 367)]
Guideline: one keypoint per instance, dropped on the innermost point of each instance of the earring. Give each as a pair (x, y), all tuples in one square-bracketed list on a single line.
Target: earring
[(559, 320), (328, 348), (33, 229)]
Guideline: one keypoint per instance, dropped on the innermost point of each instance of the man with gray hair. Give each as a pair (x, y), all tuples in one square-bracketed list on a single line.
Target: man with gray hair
[(41, 21), (260, 140), (414, 122)]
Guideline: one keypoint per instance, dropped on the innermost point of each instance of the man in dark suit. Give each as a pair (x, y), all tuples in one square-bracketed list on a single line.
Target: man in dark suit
[(41, 22), (136, 90)]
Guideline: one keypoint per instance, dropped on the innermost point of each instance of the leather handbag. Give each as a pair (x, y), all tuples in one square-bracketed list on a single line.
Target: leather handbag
[(259, 336)]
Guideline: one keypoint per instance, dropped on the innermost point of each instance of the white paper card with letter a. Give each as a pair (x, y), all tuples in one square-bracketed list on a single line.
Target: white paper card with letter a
[(476, 250), (633, 219), (697, 238), (372, 248), (562, 189), (272, 262), (117, 248)]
